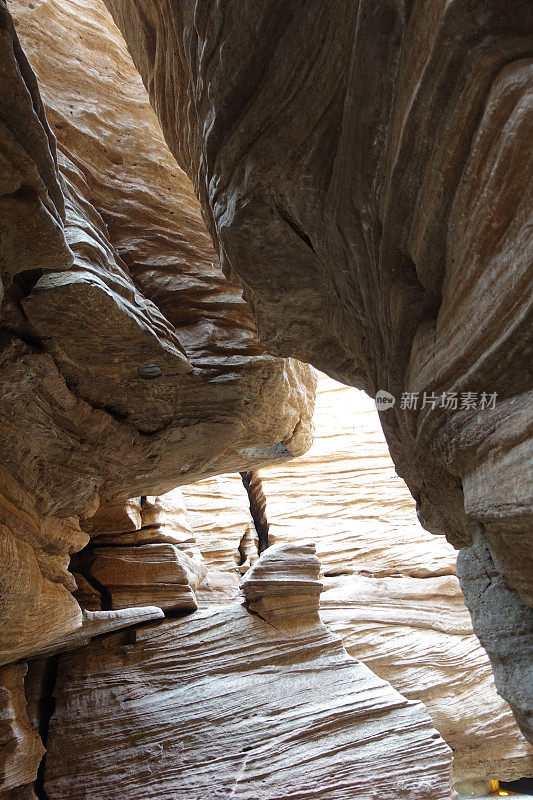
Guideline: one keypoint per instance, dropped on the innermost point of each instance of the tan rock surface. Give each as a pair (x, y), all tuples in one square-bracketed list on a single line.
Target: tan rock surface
[(177, 725), (36, 604), (157, 245), (32, 208), (346, 494), (156, 574), (218, 511), (390, 589), (384, 155), (114, 518), (21, 749), (128, 364), (97, 623)]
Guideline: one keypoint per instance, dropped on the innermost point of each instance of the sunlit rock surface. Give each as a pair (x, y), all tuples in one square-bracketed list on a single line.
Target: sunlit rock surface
[(365, 171), (390, 589), (198, 707), (128, 364), (218, 510)]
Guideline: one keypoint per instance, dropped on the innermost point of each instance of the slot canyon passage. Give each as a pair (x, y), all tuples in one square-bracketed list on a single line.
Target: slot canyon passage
[(222, 574)]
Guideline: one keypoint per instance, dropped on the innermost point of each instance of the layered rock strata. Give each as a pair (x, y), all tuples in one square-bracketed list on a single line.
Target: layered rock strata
[(218, 510), (198, 707), (383, 153), (141, 551), (128, 364), (21, 749), (390, 589)]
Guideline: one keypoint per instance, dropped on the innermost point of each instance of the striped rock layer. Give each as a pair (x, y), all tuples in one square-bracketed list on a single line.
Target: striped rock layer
[(261, 704)]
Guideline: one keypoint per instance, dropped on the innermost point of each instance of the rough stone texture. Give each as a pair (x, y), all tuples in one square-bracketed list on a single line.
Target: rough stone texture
[(151, 573), (21, 749), (495, 608), (390, 589), (218, 511), (32, 208), (96, 623), (128, 364), (364, 170), (142, 551), (168, 724), (345, 494), (87, 595), (36, 604), (115, 518)]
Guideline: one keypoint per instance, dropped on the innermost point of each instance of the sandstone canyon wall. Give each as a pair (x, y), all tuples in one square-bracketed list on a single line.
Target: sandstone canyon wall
[(239, 724), (365, 172), (129, 364), (390, 590)]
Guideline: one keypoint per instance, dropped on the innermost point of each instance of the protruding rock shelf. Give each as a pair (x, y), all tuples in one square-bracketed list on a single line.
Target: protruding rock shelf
[(128, 364), (230, 704)]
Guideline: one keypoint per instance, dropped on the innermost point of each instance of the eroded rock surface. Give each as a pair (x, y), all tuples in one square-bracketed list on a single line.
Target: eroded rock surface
[(21, 749), (390, 591), (218, 510), (494, 608), (383, 153), (129, 364), (219, 725)]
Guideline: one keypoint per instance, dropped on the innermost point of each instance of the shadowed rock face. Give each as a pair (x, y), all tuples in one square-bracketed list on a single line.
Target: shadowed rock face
[(364, 172), (21, 747), (128, 364)]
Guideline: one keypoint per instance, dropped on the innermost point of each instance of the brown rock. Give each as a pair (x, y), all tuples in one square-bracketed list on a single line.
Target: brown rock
[(31, 202), (283, 587), (103, 396), (36, 603), (390, 591), (21, 749), (86, 594), (164, 519), (218, 510), (385, 158), (97, 623), (156, 574), (114, 518)]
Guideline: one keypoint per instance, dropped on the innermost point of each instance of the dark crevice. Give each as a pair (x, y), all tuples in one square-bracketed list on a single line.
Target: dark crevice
[(295, 227), (26, 280), (81, 562), (115, 412), (45, 709), (521, 785), (336, 573), (257, 500), (103, 591), (257, 614), (242, 551)]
